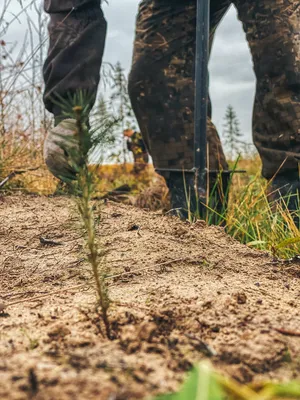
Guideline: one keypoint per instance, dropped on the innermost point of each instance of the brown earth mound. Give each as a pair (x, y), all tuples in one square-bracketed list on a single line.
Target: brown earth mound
[(185, 292)]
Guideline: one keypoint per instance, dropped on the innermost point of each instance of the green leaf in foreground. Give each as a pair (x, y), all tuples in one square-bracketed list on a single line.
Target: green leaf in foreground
[(206, 384), (201, 385)]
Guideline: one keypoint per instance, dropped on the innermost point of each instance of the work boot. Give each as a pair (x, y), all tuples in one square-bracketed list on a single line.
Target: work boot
[(187, 200), (60, 146), (285, 192)]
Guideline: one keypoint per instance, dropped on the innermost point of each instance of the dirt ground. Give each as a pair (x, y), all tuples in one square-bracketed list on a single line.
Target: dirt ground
[(186, 292)]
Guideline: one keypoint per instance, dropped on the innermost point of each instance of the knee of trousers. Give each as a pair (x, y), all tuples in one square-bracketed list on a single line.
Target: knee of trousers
[(281, 71), (140, 89)]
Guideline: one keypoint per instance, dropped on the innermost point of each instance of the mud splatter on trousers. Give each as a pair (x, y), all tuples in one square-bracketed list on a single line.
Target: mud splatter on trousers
[(161, 83)]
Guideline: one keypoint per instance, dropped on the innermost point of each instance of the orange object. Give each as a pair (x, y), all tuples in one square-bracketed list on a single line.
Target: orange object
[(128, 132)]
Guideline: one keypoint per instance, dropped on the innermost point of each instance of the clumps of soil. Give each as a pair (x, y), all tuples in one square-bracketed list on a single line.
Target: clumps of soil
[(155, 196), (180, 293)]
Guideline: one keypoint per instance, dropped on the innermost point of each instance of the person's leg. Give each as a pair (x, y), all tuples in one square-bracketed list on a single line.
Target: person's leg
[(272, 29), (77, 31), (161, 84)]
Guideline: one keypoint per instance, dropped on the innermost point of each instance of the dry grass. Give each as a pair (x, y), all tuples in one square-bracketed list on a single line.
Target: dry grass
[(22, 154), (148, 189)]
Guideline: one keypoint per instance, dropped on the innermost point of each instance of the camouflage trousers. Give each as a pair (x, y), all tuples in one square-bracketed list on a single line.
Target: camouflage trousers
[(161, 82)]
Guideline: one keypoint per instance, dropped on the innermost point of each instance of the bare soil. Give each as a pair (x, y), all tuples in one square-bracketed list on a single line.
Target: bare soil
[(186, 292)]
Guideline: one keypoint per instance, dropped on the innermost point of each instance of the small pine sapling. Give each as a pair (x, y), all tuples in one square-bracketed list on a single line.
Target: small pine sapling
[(81, 145)]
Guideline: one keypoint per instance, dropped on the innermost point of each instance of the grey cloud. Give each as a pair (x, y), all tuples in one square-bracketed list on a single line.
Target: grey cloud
[(121, 25), (232, 79)]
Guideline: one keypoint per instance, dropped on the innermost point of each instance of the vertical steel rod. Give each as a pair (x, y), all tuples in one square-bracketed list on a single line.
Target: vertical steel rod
[(201, 93)]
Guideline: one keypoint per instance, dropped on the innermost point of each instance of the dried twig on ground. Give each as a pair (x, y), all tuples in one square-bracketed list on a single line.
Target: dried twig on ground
[(48, 242), (287, 332), (15, 173)]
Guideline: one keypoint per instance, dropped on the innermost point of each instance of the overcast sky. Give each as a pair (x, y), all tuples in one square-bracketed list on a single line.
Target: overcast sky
[(231, 75)]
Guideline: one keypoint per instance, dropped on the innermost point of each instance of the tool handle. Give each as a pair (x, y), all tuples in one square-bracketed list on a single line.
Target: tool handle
[(201, 84)]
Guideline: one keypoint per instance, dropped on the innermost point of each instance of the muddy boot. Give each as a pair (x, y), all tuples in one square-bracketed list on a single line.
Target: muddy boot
[(181, 190), (187, 200), (62, 142), (285, 192)]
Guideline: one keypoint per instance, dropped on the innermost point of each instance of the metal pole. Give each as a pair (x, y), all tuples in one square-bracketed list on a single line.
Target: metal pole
[(201, 95)]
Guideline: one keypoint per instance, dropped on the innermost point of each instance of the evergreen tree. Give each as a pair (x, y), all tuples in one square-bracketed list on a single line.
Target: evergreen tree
[(104, 121), (120, 103), (232, 132)]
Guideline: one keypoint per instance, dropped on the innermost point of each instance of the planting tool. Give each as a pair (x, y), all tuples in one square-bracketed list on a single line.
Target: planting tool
[(201, 98)]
